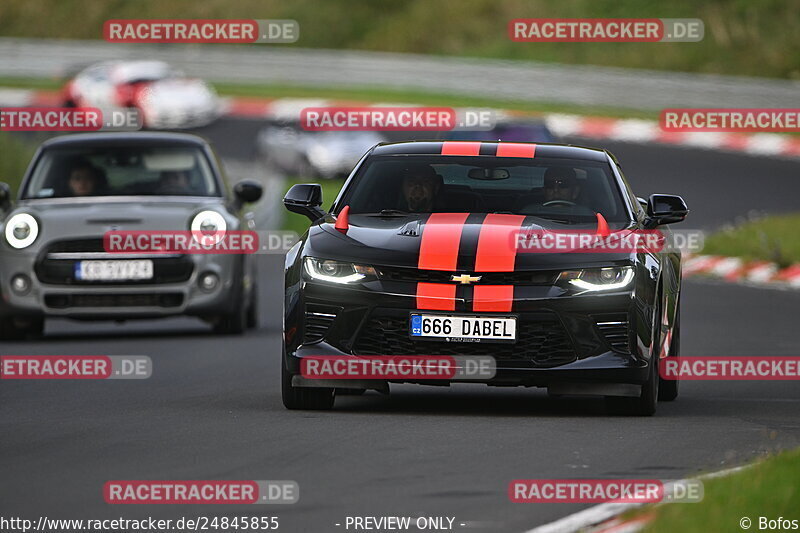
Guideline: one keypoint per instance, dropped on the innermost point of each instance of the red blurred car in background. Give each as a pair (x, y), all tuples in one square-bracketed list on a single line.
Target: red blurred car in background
[(164, 96)]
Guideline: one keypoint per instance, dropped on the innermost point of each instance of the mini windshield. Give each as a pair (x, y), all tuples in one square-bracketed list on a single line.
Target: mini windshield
[(568, 190), (121, 171)]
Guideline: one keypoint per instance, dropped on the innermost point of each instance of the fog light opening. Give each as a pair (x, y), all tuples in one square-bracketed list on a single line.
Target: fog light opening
[(21, 284), (208, 281)]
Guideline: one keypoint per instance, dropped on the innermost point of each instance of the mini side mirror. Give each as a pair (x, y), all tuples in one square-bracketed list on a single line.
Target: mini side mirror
[(248, 191), (305, 199)]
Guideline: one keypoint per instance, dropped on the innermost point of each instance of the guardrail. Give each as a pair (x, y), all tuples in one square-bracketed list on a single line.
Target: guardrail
[(507, 80)]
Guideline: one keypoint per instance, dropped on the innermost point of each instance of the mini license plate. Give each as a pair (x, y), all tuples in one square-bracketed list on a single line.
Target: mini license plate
[(114, 270)]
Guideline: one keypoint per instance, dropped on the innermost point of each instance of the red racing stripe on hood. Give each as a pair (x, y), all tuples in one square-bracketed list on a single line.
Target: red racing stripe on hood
[(436, 296), (497, 251), (493, 298), (441, 236), (461, 148), (515, 150)]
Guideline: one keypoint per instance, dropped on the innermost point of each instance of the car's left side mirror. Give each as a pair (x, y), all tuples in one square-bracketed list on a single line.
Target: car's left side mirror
[(5, 197), (305, 199), (665, 209), (247, 192)]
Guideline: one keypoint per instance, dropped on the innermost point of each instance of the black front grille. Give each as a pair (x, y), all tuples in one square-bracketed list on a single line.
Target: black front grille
[(65, 301), (544, 343), (171, 269), (614, 328), (318, 319), (542, 277)]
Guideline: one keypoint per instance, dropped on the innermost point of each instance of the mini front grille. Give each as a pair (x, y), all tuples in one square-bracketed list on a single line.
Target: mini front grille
[(492, 278), (544, 343), (56, 265), (614, 328), (318, 319), (66, 301)]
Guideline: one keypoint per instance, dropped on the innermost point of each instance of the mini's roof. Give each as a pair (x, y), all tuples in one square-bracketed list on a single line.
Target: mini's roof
[(490, 149), (136, 137)]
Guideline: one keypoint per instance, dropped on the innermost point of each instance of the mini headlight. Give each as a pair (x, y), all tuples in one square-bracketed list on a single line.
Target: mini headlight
[(21, 230), (598, 279), (336, 271), (208, 227)]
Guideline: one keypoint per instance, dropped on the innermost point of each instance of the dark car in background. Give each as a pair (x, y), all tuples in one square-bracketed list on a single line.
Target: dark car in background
[(508, 130)]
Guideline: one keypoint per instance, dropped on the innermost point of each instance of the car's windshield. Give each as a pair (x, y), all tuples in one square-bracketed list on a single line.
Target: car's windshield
[(122, 170), (142, 71), (567, 190)]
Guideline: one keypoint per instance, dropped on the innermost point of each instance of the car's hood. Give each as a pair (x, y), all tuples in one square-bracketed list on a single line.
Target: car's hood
[(397, 241), (74, 218)]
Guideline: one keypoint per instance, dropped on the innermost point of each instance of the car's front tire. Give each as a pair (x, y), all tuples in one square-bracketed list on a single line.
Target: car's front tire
[(645, 404), (642, 405), (252, 309), (235, 321), (232, 323), (12, 328), (306, 398), (668, 388)]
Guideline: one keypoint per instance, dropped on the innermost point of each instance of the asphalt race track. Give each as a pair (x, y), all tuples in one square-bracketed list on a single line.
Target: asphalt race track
[(212, 408)]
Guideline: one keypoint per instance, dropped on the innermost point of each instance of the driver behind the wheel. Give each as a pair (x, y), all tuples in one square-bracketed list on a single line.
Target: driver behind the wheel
[(419, 187), (561, 183)]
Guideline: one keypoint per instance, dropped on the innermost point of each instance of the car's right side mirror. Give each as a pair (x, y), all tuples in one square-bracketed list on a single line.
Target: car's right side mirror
[(305, 199), (5, 196), (665, 209)]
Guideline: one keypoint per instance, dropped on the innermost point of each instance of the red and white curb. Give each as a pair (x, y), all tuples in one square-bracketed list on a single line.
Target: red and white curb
[(734, 269), (623, 130), (604, 518)]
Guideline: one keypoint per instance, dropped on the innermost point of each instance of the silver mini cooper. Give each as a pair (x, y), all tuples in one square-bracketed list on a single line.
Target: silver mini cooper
[(53, 262)]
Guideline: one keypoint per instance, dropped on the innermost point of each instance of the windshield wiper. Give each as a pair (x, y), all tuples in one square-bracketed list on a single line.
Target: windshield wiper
[(390, 213), (555, 218)]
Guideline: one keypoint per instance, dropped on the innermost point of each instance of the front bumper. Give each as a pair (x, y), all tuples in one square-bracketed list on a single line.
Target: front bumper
[(100, 300), (570, 343)]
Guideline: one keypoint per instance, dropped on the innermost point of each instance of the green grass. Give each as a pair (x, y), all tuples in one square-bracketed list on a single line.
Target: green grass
[(299, 223), (769, 489), (773, 238), (741, 36), (14, 158)]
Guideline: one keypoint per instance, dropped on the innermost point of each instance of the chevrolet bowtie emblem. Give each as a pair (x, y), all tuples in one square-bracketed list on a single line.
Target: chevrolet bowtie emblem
[(465, 279)]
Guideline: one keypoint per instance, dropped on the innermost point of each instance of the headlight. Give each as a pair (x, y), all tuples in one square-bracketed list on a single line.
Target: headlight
[(598, 279), (208, 227), (21, 230), (336, 271)]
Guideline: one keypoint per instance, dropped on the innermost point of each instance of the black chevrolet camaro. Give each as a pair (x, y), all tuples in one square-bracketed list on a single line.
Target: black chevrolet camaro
[(420, 255)]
